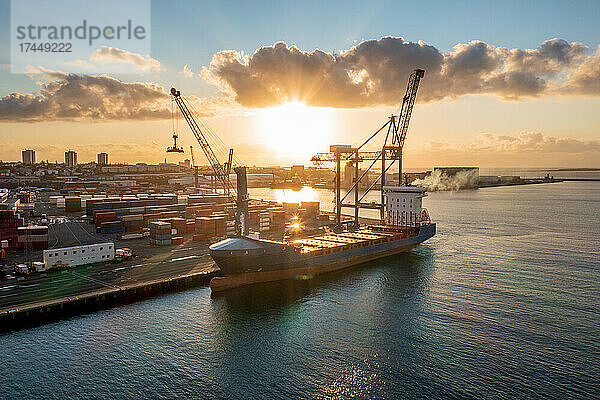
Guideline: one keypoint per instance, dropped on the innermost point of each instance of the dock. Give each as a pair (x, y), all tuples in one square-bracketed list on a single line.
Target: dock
[(61, 294)]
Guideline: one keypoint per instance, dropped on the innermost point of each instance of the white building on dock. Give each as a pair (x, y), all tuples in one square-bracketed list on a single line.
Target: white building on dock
[(79, 255)]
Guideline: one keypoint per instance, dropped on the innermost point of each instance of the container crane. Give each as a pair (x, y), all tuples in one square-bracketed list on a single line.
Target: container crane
[(397, 127), (219, 170)]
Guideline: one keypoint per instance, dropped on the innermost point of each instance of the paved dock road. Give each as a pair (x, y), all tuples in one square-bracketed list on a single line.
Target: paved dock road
[(86, 279)]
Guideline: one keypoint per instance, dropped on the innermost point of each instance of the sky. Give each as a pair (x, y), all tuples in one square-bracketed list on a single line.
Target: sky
[(507, 84)]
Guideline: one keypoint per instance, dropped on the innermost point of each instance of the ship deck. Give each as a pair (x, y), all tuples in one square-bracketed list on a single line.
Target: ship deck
[(333, 242)]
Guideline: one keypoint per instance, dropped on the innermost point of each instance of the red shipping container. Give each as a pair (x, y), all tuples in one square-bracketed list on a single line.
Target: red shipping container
[(190, 227), (101, 217)]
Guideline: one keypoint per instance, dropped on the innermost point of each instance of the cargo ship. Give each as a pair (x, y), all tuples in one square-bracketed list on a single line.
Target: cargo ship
[(245, 261)]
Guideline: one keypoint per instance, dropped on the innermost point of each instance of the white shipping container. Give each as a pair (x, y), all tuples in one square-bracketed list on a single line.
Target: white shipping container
[(54, 199), (132, 236)]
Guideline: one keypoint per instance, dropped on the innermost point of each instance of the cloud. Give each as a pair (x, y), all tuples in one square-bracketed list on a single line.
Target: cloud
[(375, 72), (523, 143), (585, 80), (85, 97), (44, 73), (371, 73), (552, 57), (187, 71), (72, 97), (528, 149), (112, 59), (112, 55), (534, 142)]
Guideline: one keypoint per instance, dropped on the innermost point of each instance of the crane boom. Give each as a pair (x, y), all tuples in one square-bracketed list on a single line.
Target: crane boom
[(215, 164), (408, 102), (331, 157), (221, 171)]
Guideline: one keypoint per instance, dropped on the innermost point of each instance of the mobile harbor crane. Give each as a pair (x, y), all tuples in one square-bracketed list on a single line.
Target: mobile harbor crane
[(221, 171), (397, 127)]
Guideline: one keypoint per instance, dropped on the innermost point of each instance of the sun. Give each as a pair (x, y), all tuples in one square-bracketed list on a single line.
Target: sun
[(295, 130)]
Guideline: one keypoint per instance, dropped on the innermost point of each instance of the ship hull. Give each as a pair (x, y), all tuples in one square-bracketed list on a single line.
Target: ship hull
[(282, 263)]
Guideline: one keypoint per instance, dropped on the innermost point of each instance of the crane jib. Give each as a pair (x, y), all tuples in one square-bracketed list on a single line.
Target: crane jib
[(216, 166)]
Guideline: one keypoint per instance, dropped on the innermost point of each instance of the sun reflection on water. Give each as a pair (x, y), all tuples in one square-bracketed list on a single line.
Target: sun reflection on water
[(307, 193)]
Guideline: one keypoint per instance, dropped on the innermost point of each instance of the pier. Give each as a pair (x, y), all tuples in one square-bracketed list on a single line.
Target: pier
[(39, 299)]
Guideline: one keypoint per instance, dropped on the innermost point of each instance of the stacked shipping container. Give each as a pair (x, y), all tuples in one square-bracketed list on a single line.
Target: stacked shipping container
[(9, 222), (72, 204), (32, 237), (160, 233)]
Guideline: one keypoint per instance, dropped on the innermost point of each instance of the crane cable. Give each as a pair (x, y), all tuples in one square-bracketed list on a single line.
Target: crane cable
[(174, 120), (172, 117), (222, 149)]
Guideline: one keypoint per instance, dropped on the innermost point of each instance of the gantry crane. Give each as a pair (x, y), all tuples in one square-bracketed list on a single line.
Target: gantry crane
[(220, 171), (397, 127)]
